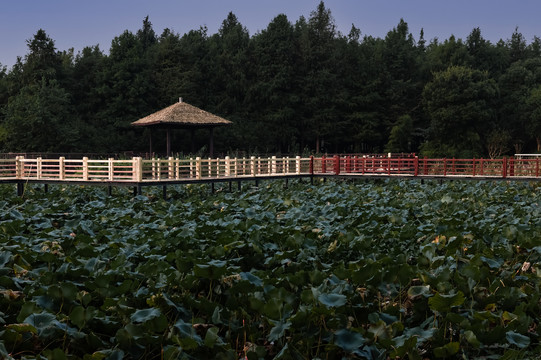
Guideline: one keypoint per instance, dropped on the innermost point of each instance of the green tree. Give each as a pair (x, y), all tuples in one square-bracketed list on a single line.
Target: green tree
[(452, 52), (460, 102), (403, 79), (87, 91), (517, 46), (320, 84), (367, 104), (401, 136), (128, 88), (42, 61), (229, 82), (534, 120), (38, 120), (271, 98), (516, 85)]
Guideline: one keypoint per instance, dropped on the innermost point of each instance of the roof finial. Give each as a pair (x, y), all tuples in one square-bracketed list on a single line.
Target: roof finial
[(179, 99)]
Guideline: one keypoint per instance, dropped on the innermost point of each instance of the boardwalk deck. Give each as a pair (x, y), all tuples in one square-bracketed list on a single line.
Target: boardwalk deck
[(162, 172)]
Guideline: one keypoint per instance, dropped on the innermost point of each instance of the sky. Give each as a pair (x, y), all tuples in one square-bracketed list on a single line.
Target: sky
[(77, 23)]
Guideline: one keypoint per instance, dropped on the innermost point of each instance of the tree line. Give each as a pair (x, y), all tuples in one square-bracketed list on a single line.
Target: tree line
[(290, 88)]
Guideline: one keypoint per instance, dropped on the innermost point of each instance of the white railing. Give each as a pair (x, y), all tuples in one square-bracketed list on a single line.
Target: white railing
[(139, 170)]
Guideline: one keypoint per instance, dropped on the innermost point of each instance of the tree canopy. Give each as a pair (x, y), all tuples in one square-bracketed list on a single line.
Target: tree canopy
[(292, 87)]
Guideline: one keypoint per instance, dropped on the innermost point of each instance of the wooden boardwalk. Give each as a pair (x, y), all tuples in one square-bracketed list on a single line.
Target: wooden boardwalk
[(137, 172)]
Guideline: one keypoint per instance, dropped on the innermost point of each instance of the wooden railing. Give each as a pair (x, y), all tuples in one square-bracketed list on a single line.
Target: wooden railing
[(171, 169), (139, 170)]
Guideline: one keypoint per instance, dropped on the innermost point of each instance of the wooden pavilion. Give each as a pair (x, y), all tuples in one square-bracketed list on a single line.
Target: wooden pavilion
[(182, 115)]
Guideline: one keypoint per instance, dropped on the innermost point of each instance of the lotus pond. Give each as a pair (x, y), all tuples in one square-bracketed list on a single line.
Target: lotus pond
[(355, 270)]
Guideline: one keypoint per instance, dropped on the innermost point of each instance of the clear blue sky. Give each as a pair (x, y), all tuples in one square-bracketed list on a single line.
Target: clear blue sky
[(76, 24)]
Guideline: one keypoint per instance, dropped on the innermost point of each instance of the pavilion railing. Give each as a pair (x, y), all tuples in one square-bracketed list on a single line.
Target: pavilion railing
[(172, 169)]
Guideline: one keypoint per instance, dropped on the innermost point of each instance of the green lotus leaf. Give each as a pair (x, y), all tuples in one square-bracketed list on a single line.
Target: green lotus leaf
[(212, 338), (332, 300), (186, 330), (417, 291), (444, 303), (22, 328), (348, 340), (278, 330), (519, 340), (5, 257), (143, 315), (80, 315), (471, 338), (253, 279), (447, 350)]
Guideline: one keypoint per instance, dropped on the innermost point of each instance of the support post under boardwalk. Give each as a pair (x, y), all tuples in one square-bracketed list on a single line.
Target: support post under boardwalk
[(110, 190), (20, 189), (46, 188), (164, 190), (239, 185)]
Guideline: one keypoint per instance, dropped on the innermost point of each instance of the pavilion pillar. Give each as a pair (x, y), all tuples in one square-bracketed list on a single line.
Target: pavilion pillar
[(150, 143), (192, 135), (168, 142), (211, 144)]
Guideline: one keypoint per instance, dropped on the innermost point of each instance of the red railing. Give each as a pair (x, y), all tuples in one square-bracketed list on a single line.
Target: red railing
[(497, 168)]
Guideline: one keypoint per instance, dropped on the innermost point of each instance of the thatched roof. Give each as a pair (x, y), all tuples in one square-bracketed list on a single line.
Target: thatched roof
[(182, 115)]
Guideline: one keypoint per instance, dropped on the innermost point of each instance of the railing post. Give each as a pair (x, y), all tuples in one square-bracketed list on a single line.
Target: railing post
[(473, 168), (19, 166), (337, 164), (416, 166), (482, 165), (198, 168), (111, 169), (85, 168), (170, 168), (444, 166), (252, 165), (227, 166), (61, 168), (137, 169), (236, 166), (177, 168), (389, 165), (298, 164), (273, 165), (323, 165), (504, 167), (311, 165), (511, 166), (39, 165)]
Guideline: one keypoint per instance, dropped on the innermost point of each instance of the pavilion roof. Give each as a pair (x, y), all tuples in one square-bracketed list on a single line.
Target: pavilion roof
[(181, 114)]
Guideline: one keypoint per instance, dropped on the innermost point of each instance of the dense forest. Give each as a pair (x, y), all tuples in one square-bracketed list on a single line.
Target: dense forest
[(290, 88)]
